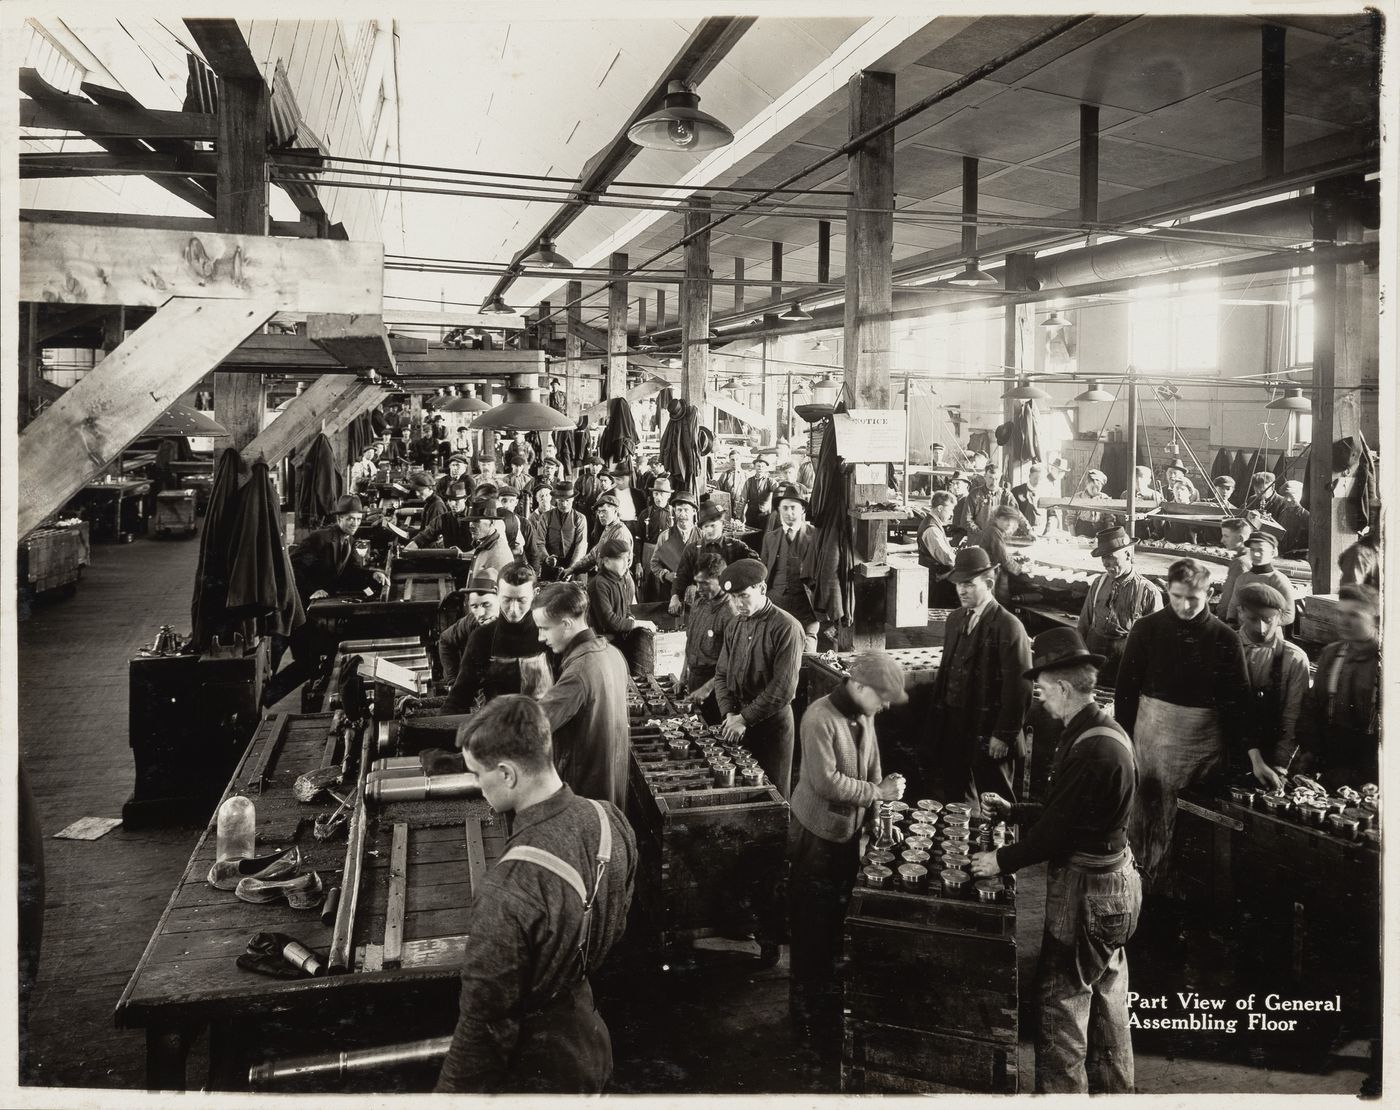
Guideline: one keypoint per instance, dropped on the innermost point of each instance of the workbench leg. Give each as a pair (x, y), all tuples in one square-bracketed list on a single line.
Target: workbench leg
[(227, 1070), (167, 1047)]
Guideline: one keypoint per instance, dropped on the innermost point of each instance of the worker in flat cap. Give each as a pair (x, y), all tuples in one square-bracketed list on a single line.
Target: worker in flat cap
[(451, 530), (611, 597), (458, 470), (670, 544), (485, 461), (1089, 521), (709, 615), (756, 674), (1223, 490), (517, 475), (1093, 894), (1117, 600), (1262, 547), (979, 695), (610, 527), (755, 499), (557, 538), (786, 550), (650, 528), (488, 530), (837, 790), (1340, 728), (709, 536), (586, 481), (482, 606), (503, 655), (508, 502), (1278, 682), (433, 505)]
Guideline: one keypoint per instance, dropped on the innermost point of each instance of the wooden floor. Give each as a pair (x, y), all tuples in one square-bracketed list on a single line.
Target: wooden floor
[(724, 1031)]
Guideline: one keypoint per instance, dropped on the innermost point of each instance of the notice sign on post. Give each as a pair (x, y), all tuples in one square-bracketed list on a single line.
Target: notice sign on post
[(870, 435)]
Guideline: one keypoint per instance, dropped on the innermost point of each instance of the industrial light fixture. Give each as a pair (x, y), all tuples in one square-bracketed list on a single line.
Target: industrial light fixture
[(467, 402), (520, 412), (819, 345), (680, 124), (825, 390), (496, 306), (1025, 391), (795, 314), (545, 256), (1291, 401), (972, 277), (1094, 393), (1054, 320)]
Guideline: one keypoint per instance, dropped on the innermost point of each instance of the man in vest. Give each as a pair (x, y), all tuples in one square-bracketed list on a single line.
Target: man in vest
[(557, 538), (1083, 1043), (671, 544), (545, 919), (936, 551), (785, 549), (1278, 681), (757, 495), (457, 471), (1116, 600)]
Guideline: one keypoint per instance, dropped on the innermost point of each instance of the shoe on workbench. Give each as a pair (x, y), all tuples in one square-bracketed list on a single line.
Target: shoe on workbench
[(226, 873), (303, 892)]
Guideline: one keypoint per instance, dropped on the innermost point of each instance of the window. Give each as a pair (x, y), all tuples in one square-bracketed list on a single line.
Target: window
[(1175, 327), (1300, 318)]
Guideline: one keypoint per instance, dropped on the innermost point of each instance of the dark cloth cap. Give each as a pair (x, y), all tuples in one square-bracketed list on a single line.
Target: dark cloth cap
[(1260, 595), (879, 671), (1260, 536), (420, 480), (1059, 647), (710, 512), (613, 546), (349, 503), (517, 459), (606, 499), (458, 457), (741, 574)]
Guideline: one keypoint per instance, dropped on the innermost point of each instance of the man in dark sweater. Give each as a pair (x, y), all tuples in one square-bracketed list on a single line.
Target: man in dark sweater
[(547, 916), (1340, 726), (709, 537), (1183, 696), (611, 596), (502, 653), (756, 674), (1093, 893), (709, 616)]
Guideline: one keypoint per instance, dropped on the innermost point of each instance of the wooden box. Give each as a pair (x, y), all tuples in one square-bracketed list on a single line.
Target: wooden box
[(1319, 618), (175, 513), (894, 1059), (906, 600), (53, 557)]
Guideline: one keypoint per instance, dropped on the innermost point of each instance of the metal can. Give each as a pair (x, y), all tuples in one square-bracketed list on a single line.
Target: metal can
[(724, 774), (751, 776), (876, 876), (898, 807), (1242, 795), (913, 877), (961, 835), (955, 883), (956, 861), (679, 746), (1313, 813), (915, 855), (1276, 804), (1364, 818), (929, 805), (957, 809), (918, 843), (956, 822), (988, 890), (1343, 825), (879, 857)]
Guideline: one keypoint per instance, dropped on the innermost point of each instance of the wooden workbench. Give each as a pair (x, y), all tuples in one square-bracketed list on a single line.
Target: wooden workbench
[(117, 510), (187, 980)]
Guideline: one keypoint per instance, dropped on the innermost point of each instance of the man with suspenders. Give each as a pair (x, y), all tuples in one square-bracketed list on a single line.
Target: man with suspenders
[(545, 917), (1093, 893)]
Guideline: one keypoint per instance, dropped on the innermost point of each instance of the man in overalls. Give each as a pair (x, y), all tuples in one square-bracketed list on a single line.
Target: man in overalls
[(546, 916), (1093, 893)]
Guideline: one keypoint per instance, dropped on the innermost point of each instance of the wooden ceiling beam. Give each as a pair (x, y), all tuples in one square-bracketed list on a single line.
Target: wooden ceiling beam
[(304, 417), (197, 225), (360, 342), (115, 122), (88, 163), (222, 43)]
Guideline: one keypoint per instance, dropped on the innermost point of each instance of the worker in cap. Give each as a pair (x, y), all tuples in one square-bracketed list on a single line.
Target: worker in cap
[(756, 675), (786, 550), (482, 606), (709, 537), (979, 698), (1088, 521), (451, 530), (840, 782), (1278, 681), (508, 504), (1224, 492), (654, 470), (611, 598), (654, 522), (1262, 548), (1295, 519), (1117, 600), (1083, 1038), (458, 470), (610, 527), (518, 474), (1340, 727), (433, 503), (489, 547), (558, 538), (755, 499), (665, 558)]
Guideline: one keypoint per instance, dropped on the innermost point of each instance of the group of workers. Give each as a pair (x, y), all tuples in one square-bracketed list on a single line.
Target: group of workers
[(541, 667)]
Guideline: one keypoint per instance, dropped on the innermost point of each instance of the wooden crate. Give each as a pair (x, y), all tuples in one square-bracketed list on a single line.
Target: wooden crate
[(1319, 618), (53, 557), (175, 513), (894, 1059)]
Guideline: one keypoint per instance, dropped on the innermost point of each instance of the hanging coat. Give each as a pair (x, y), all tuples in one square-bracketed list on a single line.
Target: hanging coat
[(830, 560), (619, 440), (680, 446), (261, 587), (318, 483), (1025, 433), (207, 608)]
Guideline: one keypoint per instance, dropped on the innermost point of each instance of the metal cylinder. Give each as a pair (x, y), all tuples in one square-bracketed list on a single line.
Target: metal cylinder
[(420, 787), (344, 1063)]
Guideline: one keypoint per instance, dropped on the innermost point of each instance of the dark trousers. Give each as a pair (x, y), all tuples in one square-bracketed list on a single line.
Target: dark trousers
[(962, 769), (1083, 1043), (306, 647), (823, 874), (771, 742)]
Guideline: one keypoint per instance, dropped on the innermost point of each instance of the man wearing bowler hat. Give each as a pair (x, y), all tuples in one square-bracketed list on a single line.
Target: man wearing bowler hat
[(650, 527), (1093, 894), (1116, 600), (452, 529), (709, 537), (557, 538), (756, 674), (785, 550), (980, 695), (488, 529)]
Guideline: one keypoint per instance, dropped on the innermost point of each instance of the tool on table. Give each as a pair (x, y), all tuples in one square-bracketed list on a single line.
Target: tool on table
[(343, 931), (280, 956), (328, 824), (338, 1064)]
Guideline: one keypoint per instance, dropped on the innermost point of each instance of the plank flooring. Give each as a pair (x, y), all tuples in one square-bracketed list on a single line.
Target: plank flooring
[(104, 897)]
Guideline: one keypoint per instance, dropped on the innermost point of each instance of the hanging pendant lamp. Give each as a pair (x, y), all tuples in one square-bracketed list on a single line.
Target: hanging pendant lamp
[(795, 314), (1291, 401), (1055, 320), (972, 276), (520, 412), (819, 345), (1025, 391), (546, 257), (496, 306), (466, 402), (680, 124), (1094, 393)]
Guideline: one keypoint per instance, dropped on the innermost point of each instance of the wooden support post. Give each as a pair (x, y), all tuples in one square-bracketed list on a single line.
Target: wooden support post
[(738, 283), (80, 434), (573, 349), (303, 417), (1089, 163), (28, 359), (241, 206), (823, 251), (343, 414), (1339, 357), (775, 291), (1271, 99), (615, 382), (869, 299), (695, 304), (660, 309)]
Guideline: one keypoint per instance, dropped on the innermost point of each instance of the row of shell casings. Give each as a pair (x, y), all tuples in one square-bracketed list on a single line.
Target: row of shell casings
[(1335, 814), (934, 856)]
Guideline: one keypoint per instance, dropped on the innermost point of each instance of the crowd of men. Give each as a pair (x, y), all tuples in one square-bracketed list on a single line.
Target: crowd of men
[(541, 659)]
